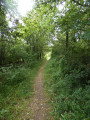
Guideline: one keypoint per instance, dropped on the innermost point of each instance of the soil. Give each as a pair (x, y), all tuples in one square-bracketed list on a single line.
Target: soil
[(39, 106)]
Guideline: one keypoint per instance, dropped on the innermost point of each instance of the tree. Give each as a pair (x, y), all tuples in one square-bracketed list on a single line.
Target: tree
[(7, 8)]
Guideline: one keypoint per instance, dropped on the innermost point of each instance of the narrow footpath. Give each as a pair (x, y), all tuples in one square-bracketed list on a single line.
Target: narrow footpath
[(39, 107)]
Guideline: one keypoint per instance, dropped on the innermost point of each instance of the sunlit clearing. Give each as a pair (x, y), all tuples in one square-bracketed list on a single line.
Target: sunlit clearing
[(24, 6), (48, 56)]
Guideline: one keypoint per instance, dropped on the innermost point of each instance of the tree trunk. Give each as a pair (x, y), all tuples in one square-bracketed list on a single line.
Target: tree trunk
[(66, 39)]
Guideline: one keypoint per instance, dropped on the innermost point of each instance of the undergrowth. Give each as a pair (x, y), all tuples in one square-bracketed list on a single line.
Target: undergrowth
[(16, 88), (69, 90)]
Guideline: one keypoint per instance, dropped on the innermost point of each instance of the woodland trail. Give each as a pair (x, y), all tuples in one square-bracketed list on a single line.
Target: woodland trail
[(39, 108)]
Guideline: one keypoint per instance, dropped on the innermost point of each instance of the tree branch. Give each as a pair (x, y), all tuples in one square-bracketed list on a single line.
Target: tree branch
[(84, 5)]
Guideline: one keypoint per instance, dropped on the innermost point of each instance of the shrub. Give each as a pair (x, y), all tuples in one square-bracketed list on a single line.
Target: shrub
[(69, 90), (31, 60)]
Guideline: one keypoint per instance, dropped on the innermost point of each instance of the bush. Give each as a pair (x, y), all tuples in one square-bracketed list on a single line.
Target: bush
[(12, 77), (69, 90), (31, 60), (16, 76)]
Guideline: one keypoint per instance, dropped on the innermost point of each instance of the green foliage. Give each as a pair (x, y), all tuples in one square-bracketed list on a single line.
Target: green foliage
[(16, 88), (64, 31), (17, 54), (31, 60), (11, 77), (70, 99), (69, 75)]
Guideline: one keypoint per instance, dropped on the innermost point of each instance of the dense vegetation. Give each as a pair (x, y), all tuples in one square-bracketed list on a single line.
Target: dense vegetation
[(69, 67), (21, 51), (25, 43)]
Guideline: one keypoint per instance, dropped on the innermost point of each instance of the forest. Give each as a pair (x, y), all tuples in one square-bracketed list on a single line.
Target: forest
[(59, 29)]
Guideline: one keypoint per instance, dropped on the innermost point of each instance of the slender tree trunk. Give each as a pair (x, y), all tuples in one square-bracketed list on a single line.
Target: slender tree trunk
[(40, 55), (66, 39), (2, 51), (74, 38)]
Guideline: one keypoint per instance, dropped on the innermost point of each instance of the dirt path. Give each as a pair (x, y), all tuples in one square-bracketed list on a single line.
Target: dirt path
[(39, 108)]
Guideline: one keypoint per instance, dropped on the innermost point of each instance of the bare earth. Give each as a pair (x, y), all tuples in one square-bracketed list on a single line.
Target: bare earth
[(39, 108)]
